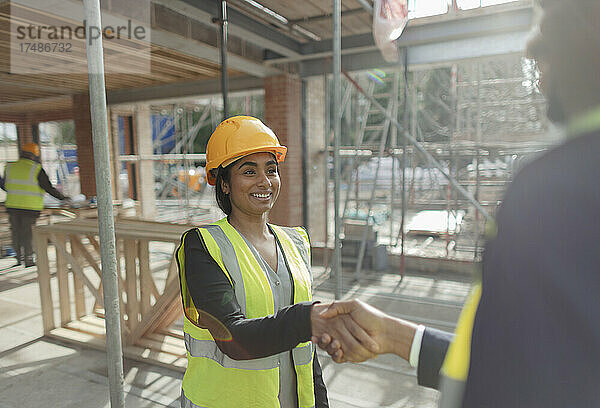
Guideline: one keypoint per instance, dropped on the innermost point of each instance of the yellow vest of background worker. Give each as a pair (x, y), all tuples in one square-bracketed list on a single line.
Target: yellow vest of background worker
[(214, 380), (22, 187)]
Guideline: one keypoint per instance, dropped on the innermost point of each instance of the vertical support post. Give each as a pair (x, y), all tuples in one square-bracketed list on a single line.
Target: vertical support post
[(63, 281), (452, 163), (305, 164), (187, 117), (404, 155), (327, 137), (40, 245), (224, 84), (106, 227), (133, 306), (116, 154), (337, 97), (143, 133), (413, 131), (78, 291), (477, 144), (393, 145), (145, 284)]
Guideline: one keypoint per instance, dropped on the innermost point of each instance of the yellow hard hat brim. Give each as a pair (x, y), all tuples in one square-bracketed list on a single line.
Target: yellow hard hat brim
[(278, 151)]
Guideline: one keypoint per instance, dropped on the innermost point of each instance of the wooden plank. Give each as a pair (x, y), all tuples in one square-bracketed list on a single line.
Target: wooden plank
[(173, 312), (133, 307), (62, 274), (77, 268), (145, 276), (148, 355), (173, 268), (153, 319), (83, 326), (152, 231), (93, 261), (40, 242), (78, 337), (175, 360), (177, 333), (167, 339), (82, 250), (94, 243), (122, 286), (176, 350), (78, 292)]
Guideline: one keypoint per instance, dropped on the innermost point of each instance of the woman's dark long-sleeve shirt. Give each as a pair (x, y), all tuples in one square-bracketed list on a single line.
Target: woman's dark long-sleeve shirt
[(214, 296)]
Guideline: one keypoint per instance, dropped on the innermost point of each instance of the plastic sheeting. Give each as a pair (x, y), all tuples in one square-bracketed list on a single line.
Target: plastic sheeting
[(389, 19)]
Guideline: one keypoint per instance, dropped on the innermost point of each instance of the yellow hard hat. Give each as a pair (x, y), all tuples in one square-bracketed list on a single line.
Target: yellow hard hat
[(237, 137), (31, 148)]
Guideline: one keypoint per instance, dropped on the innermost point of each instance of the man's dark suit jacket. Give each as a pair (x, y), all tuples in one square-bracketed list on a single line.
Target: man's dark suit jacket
[(536, 335)]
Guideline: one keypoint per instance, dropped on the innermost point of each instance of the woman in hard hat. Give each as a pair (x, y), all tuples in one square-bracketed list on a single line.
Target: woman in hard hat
[(246, 288), (246, 285)]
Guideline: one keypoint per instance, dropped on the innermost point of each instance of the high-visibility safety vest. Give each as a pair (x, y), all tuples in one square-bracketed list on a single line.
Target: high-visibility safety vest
[(22, 188), (458, 357), (212, 379)]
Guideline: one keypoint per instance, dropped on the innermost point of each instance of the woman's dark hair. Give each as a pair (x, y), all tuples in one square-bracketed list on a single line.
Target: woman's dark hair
[(223, 201)]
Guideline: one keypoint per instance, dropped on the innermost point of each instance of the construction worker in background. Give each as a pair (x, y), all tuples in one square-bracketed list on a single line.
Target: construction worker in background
[(246, 287), (529, 336), (25, 182)]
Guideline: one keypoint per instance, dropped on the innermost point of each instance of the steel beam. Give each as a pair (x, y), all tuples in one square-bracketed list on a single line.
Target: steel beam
[(321, 17), (337, 122), (423, 55), (366, 5), (446, 29), (240, 25), (182, 90)]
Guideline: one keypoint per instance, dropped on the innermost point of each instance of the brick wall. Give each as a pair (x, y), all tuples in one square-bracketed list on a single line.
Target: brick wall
[(283, 114), (24, 132), (317, 168), (25, 123), (83, 137)]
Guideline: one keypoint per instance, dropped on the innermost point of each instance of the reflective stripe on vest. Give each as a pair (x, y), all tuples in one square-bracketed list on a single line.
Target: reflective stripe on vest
[(209, 349), (456, 364), (22, 188), (256, 382), (186, 403)]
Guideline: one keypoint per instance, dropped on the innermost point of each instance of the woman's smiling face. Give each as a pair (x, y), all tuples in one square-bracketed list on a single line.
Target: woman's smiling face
[(254, 184)]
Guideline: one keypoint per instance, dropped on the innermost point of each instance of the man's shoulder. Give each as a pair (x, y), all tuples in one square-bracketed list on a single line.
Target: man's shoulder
[(575, 158), (562, 179)]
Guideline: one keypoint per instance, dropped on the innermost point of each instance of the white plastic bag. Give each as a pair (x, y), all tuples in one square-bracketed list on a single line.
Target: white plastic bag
[(389, 19)]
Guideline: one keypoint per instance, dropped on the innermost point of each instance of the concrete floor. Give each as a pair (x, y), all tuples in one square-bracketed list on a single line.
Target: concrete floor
[(38, 372)]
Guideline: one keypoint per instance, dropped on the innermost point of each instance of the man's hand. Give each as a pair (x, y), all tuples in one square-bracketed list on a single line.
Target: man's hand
[(391, 335), (354, 344)]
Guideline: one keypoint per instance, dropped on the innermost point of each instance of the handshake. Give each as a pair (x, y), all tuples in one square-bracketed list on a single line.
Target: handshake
[(354, 331)]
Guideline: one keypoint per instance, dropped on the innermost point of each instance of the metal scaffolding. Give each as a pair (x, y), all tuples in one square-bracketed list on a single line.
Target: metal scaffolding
[(462, 152)]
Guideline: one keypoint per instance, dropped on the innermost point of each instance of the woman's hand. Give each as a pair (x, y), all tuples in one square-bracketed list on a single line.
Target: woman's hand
[(389, 334), (350, 341)]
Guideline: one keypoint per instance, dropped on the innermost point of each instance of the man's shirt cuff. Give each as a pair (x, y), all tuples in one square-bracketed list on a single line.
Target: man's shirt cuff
[(415, 349)]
